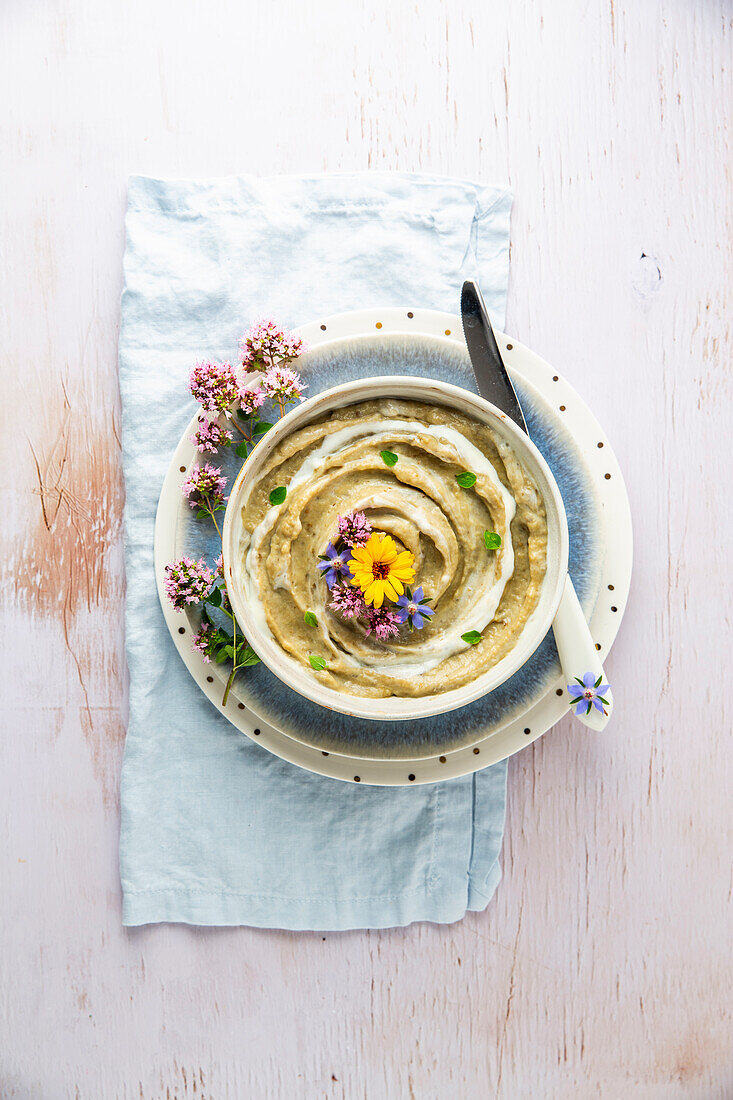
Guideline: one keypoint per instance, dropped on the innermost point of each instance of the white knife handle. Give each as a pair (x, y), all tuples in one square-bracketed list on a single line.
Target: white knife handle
[(577, 651)]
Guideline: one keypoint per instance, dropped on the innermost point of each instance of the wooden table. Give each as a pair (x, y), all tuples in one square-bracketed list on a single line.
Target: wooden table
[(602, 968)]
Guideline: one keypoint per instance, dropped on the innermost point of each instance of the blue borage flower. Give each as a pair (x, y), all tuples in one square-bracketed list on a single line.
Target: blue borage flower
[(413, 608), (588, 693), (333, 564)]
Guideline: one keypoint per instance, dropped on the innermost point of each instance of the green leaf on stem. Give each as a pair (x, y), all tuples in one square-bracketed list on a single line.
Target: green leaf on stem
[(241, 449), (262, 426), (248, 657), (214, 597)]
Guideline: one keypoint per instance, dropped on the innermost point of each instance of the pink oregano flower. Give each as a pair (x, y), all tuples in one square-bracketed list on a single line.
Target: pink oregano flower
[(187, 581), (282, 384), (348, 601), (266, 343), (205, 486), (210, 435), (214, 385), (250, 400), (354, 529), (384, 623)]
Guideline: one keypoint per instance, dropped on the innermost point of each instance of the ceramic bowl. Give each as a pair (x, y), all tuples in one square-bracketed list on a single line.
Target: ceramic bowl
[(298, 676)]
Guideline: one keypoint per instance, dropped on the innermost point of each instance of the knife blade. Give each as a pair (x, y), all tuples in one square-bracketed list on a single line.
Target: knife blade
[(492, 380), (575, 645)]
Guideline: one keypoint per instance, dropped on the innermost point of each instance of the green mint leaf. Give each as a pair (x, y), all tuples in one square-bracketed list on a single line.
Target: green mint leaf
[(389, 458), (466, 479), (472, 637), (262, 426), (310, 619), (318, 663), (277, 496), (249, 658), (492, 541), (241, 449)]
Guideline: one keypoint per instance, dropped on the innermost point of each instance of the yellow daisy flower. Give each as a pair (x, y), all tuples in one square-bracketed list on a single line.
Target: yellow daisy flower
[(379, 570)]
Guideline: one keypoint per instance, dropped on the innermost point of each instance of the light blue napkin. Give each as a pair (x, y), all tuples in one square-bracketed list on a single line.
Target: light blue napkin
[(215, 829)]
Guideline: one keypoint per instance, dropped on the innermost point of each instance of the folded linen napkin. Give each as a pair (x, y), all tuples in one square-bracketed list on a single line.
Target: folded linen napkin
[(216, 830)]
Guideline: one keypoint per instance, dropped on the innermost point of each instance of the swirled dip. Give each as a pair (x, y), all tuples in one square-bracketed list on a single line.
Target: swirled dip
[(333, 467)]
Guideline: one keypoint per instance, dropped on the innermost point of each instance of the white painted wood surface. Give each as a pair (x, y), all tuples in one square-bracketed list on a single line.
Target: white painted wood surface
[(603, 966)]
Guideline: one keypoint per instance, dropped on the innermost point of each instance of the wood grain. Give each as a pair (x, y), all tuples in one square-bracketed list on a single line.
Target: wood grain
[(603, 966)]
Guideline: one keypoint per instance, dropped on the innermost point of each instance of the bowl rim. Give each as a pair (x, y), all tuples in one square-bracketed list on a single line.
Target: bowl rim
[(393, 708)]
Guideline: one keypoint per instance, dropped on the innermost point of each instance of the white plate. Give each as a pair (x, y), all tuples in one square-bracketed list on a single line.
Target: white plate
[(600, 465)]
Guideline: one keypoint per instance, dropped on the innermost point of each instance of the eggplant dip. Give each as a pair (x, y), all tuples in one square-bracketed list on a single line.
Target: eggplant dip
[(445, 504)]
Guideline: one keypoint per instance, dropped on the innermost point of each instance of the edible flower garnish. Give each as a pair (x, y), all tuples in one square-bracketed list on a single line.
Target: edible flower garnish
[(349, 602), (588, 693), (354, 528), (379, 570), (383, 622), (333, 564), (413, 608)]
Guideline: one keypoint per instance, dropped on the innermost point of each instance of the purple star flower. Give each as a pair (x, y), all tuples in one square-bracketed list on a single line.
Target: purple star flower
[(587, 693), (413, 608), (334, 564)]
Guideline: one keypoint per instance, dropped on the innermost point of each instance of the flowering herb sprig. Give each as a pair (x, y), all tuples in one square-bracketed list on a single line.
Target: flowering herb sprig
[(266, 343), (231, 399), (210, 436), (187, 582), (367, 576), (204, 488)]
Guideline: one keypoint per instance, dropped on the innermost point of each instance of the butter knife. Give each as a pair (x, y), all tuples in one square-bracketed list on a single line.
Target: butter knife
[(581, 666)]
